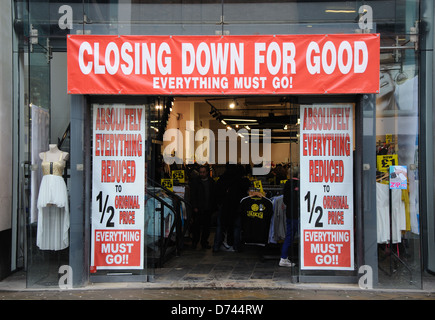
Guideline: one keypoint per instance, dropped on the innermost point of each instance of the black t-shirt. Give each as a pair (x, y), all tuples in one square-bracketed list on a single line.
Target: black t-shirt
[(256, 214)]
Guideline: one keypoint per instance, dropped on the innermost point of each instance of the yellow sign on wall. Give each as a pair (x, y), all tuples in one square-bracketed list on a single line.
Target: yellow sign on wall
[(178, 175), (384, 162), (388, 138), (168, 184), (258, 185)]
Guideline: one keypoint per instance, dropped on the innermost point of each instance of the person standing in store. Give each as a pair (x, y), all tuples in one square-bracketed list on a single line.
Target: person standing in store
[(291, 200), (202, 198), (232, 186)]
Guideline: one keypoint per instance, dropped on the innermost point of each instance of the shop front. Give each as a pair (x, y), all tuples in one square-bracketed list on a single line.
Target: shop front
[(127, 99)]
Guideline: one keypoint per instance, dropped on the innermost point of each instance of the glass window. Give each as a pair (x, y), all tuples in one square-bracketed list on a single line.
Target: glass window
[(397, 149), (44, 110), (48, 215)]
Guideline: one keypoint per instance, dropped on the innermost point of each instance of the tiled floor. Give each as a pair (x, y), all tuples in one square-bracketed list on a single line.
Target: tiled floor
[(200, 266)]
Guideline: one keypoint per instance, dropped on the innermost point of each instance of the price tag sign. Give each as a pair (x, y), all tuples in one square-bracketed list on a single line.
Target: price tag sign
[(168, 184), (118, 186), (178, 175), (326, 187), (258, 185), (388, 138), (384, 162)]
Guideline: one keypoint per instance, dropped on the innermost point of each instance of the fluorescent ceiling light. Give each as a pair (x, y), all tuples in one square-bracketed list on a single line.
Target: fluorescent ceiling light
[(339, 11), (242, 120)]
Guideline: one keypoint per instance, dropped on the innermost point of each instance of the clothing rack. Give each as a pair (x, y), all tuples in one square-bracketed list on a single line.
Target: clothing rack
[(393, 254), (272, 191)]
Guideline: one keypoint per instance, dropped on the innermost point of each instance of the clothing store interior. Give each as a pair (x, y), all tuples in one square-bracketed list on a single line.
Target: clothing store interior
[(232, 199)]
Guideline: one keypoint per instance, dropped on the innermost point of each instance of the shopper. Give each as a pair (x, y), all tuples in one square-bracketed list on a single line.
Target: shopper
[(202, 198), (291, 200), (232, 186)]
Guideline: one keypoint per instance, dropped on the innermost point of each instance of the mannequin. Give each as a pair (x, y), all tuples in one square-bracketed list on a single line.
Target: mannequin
[(53, 154), (53, 209)]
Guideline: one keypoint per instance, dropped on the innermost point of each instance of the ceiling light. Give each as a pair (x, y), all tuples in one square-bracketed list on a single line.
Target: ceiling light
[(242, 120), (339, 11), (232, 105), (223, 122)]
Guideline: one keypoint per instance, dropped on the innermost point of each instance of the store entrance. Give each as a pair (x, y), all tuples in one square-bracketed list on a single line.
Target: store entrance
[(250, 148)]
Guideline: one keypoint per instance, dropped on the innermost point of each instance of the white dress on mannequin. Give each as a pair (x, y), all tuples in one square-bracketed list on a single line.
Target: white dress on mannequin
[(53, 209)]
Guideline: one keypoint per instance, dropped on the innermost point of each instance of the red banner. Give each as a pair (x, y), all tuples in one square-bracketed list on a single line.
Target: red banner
[(214, 65)]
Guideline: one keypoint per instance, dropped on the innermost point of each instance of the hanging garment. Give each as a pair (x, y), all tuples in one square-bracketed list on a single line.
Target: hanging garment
[(278, 224), (53, 209), (383, 214), (256, 215)]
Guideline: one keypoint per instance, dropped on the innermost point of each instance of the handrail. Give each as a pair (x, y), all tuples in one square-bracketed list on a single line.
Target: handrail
[(65, 134), (163, 245), (176, 225), (170, 192)]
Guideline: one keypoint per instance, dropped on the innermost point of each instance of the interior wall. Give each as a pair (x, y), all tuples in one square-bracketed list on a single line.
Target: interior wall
[(60, 102), (197, 112), (6, 116), (6, 142)]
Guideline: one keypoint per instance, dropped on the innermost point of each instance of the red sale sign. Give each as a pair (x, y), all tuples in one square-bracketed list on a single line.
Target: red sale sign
[(215, 65), (327, 248), (326, 187), (118, 185), (120, 248)]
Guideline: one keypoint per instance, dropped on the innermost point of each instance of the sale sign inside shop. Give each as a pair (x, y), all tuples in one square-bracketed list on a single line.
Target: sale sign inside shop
[(118, 187), (326, 187), (192, 65)]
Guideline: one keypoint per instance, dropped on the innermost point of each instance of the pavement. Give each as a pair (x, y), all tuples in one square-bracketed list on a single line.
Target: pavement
[(202, 275)]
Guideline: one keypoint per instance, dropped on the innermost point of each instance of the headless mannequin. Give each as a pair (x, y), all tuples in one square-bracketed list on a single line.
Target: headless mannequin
[(52, 155), (53, 214)]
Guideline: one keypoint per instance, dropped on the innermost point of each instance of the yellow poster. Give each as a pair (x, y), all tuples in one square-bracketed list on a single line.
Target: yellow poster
[(258, 185), (168, 184), (385, 161), (178, 175)]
